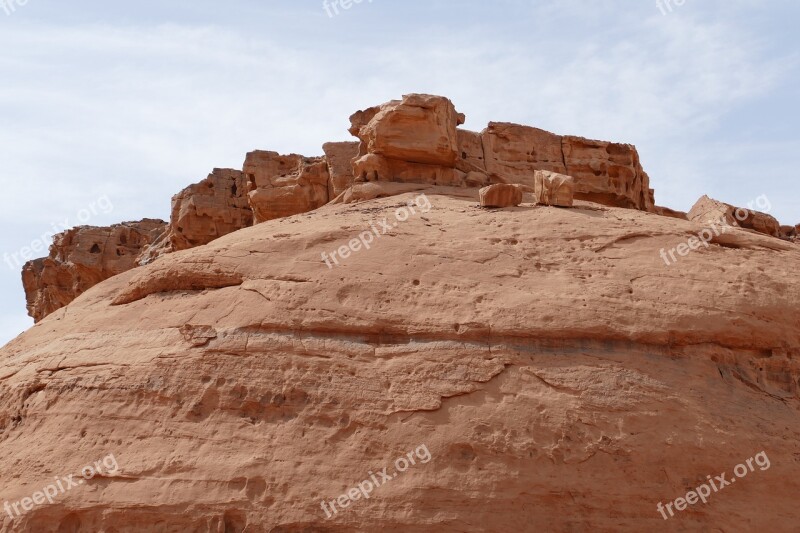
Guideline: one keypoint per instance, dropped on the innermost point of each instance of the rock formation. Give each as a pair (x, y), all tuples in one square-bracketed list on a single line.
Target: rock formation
[(559, 375), (285, 185), (415, 142), (203, 212), (81, 258), (562, 377), (553, 189), (709, 211), (501, 195), (339, 157)]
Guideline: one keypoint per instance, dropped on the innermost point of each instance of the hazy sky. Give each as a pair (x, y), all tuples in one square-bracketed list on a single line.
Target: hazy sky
[(132, 101)]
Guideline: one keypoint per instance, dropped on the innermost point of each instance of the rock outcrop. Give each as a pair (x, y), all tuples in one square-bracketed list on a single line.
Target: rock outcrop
[(501, 195), (411, 140), (339, 157), (414, 141), (203, 212), (605, 173), (562, 377), (553, 189), (285, 185), (709, 211), (672, 213), (418, 140), (81, 258)]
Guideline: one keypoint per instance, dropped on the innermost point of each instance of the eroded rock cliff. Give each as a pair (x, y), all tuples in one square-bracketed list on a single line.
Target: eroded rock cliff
[(81, 258)]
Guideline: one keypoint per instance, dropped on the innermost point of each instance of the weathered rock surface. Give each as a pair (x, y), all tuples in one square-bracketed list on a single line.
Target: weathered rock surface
[(420, 128), (709, 211), (672, 213), (340, 156), (203, 212), (284, 185), (413, 140), (604, 172), (553, 189), (562, 377), (81, 258), (501, 195)]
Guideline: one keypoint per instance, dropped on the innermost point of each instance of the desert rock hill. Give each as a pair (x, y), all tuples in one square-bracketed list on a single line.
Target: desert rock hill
[(561, 373)]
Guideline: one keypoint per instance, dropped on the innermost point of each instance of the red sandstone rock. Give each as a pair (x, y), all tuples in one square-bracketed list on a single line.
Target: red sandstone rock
[(606, 173), (470, 152), (562, 377), (339, 157), (541, 355), (501, 195), (672, 213), (203, 212), (417, 129), (81, 258), (285, 185), (553, 189), (709, 211)]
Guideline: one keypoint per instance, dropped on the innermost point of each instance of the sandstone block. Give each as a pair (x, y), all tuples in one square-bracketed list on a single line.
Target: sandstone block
[(553, 189), (284, 185), (501, 195), (667, 212), (470, 152), (417, 129), (340, 157), (604, 172)]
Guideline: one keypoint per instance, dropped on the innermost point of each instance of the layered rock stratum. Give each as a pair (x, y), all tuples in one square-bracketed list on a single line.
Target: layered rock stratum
[(561, 374)]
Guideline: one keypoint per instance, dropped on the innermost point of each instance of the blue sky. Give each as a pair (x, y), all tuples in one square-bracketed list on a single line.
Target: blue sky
[(132, 101)]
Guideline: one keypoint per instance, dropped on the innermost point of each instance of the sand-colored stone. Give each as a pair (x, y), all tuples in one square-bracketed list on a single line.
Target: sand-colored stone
[(284, 185), (501, 195), (419, 128), (604, 172), (340, 156), (470, 152), (553, 189), (562, 377), (204, 211), (81, 258), (708, 211), (672, 213)]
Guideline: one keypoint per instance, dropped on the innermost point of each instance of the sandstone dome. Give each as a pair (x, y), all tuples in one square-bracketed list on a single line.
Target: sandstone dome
[(536, 368)]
